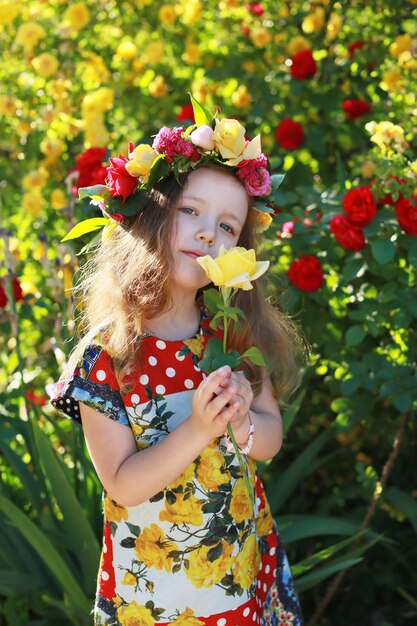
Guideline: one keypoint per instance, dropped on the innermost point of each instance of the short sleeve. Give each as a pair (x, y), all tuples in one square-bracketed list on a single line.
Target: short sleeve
[(92, 382)]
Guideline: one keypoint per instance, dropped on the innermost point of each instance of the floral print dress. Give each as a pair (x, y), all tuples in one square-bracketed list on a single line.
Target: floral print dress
[(195, 553)]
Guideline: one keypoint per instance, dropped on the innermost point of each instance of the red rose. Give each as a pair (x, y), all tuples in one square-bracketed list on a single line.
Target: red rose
[(359, 204), (289, 134), (90, 168), (121, 183), (406, 211), (356, 108), (186, 113), (255, 8), (355, 45), (90, 158), (349, 236), (303, 65), (17, 292), (306, 273)]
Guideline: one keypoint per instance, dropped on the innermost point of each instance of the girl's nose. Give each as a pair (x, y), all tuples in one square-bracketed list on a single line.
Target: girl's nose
[(206, 235)]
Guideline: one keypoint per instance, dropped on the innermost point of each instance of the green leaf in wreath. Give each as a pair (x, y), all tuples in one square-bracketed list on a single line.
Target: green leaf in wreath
[(86, 226), (160, 169), (201, 114), (97, 192)]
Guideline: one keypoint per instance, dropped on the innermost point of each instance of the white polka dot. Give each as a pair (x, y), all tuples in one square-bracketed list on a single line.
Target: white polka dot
[(170, 372), (261, 566), (161, 344), (267, 569), (221, 622), (197, 369), (258, 502), (144, 379), (254, 616), (101, 375), (259, 584), (188, 383), (204, 375), (104, 547), (105, 576), (272, 551), (160, 389), (152, 360), (246, 612), (265, 587), (179, 356), (135, 398)]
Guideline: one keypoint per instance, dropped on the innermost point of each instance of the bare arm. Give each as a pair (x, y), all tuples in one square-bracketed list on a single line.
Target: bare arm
[(130, 476)]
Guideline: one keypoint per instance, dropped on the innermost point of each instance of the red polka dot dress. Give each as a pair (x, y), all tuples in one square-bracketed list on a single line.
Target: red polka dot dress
[(196, 553)]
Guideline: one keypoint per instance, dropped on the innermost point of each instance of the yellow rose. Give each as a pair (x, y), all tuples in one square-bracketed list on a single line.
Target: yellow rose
[(313, 22), (183, 511), (191, 54), (8, 11), (262, 220), (141, 161), (234, 268), (297, 44), (155, 52), (152, 547), (186, 477), (166, 14), (403, 43), (77, 16), (211, 470), (240, 505), (35, 179), (333, 26), (113, 512), (260, 36), (241, 97), (192, 11), (33, 203), (129, 579), (96, 135), (126, 50), (134, 614), (8, 106), (246, 564), (229, 137), (391, 80), (205, 573), (368, 169), (29, 34), (187, 618), (58, 199), (45, 64), (52, 148), (158, 87)]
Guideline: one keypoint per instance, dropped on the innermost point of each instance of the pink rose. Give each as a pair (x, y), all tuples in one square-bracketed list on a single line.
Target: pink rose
[(258, 183), (119, 181), (202, 137)]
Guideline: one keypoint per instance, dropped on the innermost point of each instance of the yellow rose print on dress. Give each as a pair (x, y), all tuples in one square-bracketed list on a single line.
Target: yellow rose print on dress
[(134, 614), (187, 618), (129, 579), (152, 548), (113, 512), (186, 477), (246, 564), (205, 573), (196, 344), (235, 268), (183, 511), (211, 470), (240, 506), (265, 522)]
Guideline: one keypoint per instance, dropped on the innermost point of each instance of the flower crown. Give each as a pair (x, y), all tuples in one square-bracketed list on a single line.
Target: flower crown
[(177, 150)]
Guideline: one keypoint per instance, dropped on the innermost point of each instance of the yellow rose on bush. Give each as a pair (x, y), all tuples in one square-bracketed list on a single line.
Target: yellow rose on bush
[(152, 547), (191, 54), (260, 36), (134, 614), (241, 97), (58, 199), (234, 268), (45, 64), (8, 106), (8, 11), (76, 16), (126, 50), (313, 22), (391, 80), (141, 161), (29, 34), (246, 564), (33, 203), (297, 44), (166, 14), (155, 52), (240, 506), (403, 43), (211, 470), (158, 87), (205, 573)]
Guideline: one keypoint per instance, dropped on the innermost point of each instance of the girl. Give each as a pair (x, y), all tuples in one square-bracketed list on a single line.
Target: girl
[(181, 543)]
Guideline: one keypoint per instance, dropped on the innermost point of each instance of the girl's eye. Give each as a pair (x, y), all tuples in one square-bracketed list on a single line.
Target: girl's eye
[(227, 228), (188, 210)]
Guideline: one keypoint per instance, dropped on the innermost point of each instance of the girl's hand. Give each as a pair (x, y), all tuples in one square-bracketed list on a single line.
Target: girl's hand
[(212, 412), (242, 400)]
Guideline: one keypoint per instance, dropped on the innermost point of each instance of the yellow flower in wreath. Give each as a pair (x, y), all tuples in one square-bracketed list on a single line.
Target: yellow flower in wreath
[(152, 547), (134, 614), (113, 512), (187, 618), (183, 511), (246, 564), (205, 573)]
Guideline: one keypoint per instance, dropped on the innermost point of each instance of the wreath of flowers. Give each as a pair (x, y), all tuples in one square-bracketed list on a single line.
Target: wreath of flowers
[(130, 179)]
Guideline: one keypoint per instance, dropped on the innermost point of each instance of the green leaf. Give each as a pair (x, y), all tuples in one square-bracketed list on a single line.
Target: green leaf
[(212, 299), (355, 335), (304, 526), (383, 251), (201, 114), (276, 180), (86, 226), (404, 502), (314, 578), (97, 192), (160, 169), (403, 401), (255, 356)]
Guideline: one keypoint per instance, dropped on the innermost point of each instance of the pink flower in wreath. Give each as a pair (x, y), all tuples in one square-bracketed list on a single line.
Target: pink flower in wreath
[(169, 141), (258, 183)]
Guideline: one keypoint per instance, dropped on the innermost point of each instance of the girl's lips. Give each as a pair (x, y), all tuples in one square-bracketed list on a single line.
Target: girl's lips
[(193, 253)]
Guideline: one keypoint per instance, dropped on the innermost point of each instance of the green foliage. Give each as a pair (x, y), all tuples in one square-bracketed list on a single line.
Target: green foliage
[(119, 77)]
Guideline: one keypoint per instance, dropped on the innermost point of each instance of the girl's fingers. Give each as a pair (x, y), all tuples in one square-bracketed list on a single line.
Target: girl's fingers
[(219, 402), (211, 383)]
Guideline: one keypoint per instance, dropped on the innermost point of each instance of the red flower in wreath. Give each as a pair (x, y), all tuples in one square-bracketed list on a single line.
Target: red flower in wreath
[(289, 134), (359, 205), (356, 108), (306, 273), (406, 211), (303, 65), (90, 168), (349, 236), (119, 181)]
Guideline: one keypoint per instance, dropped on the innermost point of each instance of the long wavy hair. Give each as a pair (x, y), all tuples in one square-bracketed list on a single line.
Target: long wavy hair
[(127, 278)]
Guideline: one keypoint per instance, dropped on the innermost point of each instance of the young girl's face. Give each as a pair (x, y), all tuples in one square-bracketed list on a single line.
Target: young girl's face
[(211, 211)]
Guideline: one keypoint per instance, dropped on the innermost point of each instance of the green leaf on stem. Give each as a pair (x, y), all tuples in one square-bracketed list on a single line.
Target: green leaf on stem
[(255, 356), (212, 300), (201, 114), (97, 192)]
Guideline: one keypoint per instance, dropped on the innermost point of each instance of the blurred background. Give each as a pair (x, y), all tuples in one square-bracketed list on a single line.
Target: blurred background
[(331, 87)]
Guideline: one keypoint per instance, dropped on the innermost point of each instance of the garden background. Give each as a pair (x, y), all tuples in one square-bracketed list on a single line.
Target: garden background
[(331, 86)]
